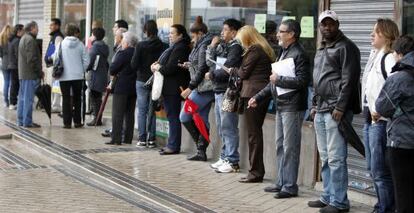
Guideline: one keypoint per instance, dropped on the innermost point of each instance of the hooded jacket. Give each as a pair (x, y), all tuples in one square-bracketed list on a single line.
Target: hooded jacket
[(396, 102), (99, 53), (13, 47), (297, 99), (146, 53), (336, 75), (198, 67), (75, 59)]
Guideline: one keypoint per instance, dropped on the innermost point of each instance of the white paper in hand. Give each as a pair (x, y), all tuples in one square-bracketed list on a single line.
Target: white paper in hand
[(285, 67), (220, 60)]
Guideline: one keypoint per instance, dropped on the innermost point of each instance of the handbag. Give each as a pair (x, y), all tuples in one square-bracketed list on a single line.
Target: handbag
[(157, 86), (232, 94), (58, 65)]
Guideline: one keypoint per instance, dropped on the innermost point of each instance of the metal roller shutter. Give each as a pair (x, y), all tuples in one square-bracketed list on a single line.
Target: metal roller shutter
[(357, 19), (31, 10)]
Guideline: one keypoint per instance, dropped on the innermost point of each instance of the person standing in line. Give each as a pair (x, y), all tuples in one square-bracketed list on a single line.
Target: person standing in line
[(396, 102), (377, 70), (124, 92), (4, 55), (200, 90), (75, 61), (30, 73), (254, 72), (291, 108), (229, 49), (56, 37), (146, 53), (13, 47), (175, 78), (336, 84), (98, 68)]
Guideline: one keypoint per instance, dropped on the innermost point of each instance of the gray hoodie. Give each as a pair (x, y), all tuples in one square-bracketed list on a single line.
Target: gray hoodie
[(75, 59)]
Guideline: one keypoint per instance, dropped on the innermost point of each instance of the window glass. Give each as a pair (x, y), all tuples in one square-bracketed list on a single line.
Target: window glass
[(6, 13), (408, 17), (137, 12), (74, 12)]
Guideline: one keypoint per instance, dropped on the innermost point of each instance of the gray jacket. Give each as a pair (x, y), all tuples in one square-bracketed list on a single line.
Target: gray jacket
[(396, 101), (198, 67), (13, 53), (336, 76), (99, 76), (4, 55), (30, 59)]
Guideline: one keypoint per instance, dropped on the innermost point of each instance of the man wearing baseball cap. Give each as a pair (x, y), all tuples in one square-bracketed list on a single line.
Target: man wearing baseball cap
[(336, 82)]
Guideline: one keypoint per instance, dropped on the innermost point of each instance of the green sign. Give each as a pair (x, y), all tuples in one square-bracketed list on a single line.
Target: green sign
[(260, 23), (306, 24), (288, 17)]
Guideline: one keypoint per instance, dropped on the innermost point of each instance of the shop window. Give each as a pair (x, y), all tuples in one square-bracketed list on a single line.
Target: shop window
[(74, 11), (257, 13), (6, 13), (408, 17), (137, 12)]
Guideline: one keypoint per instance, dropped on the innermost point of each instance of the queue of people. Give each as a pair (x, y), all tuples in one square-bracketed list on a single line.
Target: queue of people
[(205, 68)]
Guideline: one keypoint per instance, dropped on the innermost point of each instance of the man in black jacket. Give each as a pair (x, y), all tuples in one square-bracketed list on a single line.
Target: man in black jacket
[(336, 96), (146, 53), (230, 52), (291, 94)]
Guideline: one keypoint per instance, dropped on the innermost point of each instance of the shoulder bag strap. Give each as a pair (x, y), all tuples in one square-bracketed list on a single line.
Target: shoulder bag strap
[(383, 71)]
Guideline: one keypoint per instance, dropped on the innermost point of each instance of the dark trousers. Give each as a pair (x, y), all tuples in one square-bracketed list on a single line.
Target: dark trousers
[(96, 101), (71, 103), (401, 163), (123, 108), (14, 87), (254, 118), (172, 104)]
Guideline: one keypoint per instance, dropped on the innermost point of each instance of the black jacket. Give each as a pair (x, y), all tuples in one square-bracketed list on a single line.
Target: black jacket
[(336, 76), (99, 76), (233, 52), (396, 101), (13, 47), (146, 53), (295, 100), (126, 77), (175, 76)]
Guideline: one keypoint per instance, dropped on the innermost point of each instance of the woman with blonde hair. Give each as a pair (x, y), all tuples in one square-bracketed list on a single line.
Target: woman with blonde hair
[(254, 72), (4, 55), (378, 68)]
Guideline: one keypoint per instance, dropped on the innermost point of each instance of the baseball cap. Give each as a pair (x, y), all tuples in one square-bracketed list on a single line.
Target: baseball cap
[(328, 14)]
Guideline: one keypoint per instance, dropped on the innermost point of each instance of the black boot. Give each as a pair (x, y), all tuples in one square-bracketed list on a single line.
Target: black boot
[(192, 129), (201, 155)]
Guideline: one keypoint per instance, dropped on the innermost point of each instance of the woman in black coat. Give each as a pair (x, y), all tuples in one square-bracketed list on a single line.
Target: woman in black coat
[(175, 78), (124, 95)]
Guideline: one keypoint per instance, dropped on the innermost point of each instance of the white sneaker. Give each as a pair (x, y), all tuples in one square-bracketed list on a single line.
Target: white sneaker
[(217, 164), (12, 107), (227, 167), (141, 143)]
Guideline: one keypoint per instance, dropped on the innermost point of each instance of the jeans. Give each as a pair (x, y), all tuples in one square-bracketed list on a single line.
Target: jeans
[(365, 134), (288, 138), (402, 170), (25, 102), (333, 152), (172, 104), (72, 103), (203, 101), (6, 86), (227, 125), (380, 171), (143, 101)]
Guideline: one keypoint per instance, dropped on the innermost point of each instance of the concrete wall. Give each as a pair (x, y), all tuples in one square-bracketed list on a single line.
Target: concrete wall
[(308, 148)]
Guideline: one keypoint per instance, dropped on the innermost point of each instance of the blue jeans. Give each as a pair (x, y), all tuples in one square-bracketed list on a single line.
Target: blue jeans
[(25, 102), (203, 101), (333, 151), (6, 86), (143, 101), (288, 138), (227, 125), (172, 104), (380, 171), (365, 134)]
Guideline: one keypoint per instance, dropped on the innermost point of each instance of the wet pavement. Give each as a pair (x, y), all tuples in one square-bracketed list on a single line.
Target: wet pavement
[(52, 169)]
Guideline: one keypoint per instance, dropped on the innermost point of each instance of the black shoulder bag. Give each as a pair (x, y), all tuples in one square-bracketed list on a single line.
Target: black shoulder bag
[(58, 65)]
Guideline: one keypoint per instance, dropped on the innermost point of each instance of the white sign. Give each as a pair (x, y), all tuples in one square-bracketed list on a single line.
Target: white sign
[(271, 7)]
